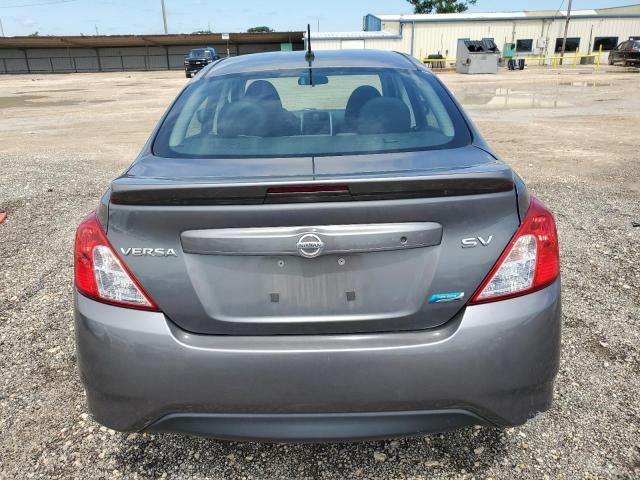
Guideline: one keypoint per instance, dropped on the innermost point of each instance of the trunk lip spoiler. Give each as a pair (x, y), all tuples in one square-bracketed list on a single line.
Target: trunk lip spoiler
[(137, 191)]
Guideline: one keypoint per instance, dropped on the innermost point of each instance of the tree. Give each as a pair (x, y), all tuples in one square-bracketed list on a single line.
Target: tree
[(441, 6), (261, 29)]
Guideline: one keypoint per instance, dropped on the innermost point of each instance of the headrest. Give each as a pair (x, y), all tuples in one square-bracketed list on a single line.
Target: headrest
[(263, 91), (384, 115), (243, 118), (358, 98)]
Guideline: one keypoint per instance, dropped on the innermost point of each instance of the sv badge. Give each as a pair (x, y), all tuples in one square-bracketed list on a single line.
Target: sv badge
[(475, 241)]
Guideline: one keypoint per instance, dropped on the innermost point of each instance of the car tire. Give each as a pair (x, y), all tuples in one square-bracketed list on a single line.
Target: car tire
[(611, 61), (188, 75)]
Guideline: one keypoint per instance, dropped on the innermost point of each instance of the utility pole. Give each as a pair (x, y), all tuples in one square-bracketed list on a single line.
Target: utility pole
[(566, 29), (1, 29), (164, 17)]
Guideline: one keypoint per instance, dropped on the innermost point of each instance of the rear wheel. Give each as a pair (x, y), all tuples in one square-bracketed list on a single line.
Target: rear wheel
[(187, 74), (611, 62)]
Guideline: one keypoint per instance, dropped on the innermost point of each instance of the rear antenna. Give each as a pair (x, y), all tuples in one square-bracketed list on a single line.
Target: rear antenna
[(310, 56)]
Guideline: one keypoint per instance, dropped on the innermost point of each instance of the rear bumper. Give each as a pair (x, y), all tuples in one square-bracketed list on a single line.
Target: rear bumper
[(632, 57), (493, 364), (316, 426)]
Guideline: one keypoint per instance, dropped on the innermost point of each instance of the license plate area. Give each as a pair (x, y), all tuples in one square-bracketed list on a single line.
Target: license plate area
[(380, 284), (332, 282)]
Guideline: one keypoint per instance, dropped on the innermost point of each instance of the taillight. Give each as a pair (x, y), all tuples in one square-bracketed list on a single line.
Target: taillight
[(530, 262), (100, 274)]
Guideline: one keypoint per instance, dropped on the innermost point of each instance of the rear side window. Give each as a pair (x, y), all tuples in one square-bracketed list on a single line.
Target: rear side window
[(311, 113)]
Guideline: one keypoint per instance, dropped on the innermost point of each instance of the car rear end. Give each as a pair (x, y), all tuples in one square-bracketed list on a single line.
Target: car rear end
[(297, 257), (633, 54)]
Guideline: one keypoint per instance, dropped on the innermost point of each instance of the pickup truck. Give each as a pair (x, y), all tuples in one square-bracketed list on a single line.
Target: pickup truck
[(199, 58)]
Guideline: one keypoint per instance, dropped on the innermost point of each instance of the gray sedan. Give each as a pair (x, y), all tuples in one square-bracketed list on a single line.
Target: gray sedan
[(317, 248)]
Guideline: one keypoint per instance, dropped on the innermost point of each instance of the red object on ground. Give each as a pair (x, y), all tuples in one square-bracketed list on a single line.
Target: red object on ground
[(3, 216)]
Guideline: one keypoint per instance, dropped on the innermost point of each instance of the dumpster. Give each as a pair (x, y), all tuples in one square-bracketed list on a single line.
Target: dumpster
[(478, 56)]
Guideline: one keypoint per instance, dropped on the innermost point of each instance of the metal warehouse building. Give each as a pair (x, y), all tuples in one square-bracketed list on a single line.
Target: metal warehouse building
[(535, 33), (44, 54)]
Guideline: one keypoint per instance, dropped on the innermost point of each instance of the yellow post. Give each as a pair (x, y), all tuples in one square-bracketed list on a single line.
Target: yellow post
[(420, 56), (599, 56)]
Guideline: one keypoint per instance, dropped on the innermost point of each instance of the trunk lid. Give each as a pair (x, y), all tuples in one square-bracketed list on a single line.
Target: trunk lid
[(379, 251)]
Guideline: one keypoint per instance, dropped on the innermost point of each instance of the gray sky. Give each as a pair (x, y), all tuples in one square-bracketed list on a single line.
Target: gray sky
[(72, 17)]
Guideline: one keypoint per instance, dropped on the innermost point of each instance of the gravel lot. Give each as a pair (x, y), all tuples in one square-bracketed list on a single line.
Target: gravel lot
[(573, 136)]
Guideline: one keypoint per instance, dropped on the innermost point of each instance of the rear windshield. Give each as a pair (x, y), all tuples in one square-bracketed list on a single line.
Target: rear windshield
[(311, 113)]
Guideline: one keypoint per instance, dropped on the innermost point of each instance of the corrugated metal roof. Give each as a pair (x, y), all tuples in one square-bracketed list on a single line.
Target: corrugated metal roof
[(470, 16), (635, 8), (351, 35), (93, 41), (447, 16), (560, 13)]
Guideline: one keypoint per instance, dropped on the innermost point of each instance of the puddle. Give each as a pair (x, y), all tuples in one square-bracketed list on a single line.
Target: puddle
[(104, 100), (585, 84), (20, 101), (31, 101), (506, 98), (62, 90)]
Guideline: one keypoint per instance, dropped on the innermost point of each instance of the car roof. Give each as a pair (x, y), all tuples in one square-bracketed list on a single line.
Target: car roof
[(363, 58)]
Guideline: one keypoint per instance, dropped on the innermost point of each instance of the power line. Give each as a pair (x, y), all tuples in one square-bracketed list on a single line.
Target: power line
[(546, 49), (559, 8)]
